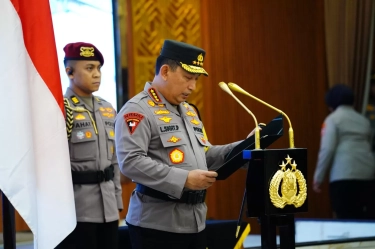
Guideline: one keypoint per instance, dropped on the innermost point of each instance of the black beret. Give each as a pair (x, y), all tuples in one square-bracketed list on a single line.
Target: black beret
[(82, 51), (190, 57), (339, 94)]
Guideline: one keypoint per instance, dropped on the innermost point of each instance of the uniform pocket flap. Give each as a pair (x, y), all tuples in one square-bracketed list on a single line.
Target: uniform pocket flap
[(202, 140), (172, 139), (110, 133)]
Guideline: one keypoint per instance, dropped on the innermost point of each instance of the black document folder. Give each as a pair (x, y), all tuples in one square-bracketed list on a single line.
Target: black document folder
[(234, 159)]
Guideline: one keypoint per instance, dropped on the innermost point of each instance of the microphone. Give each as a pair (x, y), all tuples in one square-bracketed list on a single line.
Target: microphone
[(227, 90), (237, 88)]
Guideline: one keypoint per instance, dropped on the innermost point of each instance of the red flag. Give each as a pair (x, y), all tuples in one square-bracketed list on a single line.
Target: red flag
[(35, 166)]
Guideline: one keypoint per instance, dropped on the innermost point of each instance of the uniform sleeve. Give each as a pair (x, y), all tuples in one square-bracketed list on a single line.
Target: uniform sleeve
[(118, 189), (327, 149), (215, 155), (133, 138)]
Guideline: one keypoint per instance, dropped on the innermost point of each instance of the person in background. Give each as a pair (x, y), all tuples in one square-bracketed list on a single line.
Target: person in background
[(95, 172), (161, 145), (345, 152)]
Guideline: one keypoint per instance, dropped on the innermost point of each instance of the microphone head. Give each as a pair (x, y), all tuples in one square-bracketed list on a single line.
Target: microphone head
[(236, 88), (225, 87)]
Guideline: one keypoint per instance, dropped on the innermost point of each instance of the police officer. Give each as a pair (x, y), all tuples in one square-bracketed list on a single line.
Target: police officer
[(161, 145), (95, 172)]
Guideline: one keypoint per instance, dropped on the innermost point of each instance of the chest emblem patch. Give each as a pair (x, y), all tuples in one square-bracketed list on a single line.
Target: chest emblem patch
[(80, 117), (194, 121), (165, 119), (191, 114), (132, 120), (161, 112), (88, 134), (80, 135), (150, 102), (174, 139), (111, 133), (176, 156)]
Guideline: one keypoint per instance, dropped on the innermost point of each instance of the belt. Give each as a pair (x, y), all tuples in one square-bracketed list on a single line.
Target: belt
[(93, 177), (188, 197)]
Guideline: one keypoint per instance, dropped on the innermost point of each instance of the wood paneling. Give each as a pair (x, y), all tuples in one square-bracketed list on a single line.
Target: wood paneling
[(275, 51)]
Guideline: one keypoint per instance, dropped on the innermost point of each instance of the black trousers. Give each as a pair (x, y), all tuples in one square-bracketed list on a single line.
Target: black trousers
[(92, 236), (145, 238), (353, 199)]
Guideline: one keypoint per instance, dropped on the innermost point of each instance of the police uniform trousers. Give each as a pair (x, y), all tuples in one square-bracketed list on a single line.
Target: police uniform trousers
[(145, 238), (353, 199), (88, 235)]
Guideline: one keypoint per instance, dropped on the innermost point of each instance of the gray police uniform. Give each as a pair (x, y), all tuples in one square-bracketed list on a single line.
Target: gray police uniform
[(345, 147), (92, 148), (157, 145)]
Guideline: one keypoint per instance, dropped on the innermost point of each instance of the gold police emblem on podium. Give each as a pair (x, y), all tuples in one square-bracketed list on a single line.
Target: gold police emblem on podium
[(288, 179)]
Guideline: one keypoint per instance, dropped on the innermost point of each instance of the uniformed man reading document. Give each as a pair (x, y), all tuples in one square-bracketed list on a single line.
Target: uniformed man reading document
[(161, 145)]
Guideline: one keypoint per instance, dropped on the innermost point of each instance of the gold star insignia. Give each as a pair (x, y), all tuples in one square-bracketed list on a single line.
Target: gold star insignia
[(294, 165), (288, 159), (283, 165)]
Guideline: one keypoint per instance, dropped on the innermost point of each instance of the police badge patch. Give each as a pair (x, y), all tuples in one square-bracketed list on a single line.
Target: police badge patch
[(133, 119)]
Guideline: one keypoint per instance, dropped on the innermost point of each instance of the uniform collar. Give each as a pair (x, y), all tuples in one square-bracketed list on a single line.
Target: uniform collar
[(159, 99), (77, 101)]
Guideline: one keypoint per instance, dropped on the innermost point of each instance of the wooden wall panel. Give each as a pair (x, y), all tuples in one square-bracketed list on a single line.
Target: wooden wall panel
[(274, 50)]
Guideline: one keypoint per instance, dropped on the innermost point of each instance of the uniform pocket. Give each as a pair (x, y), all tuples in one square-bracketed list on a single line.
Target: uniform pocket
[(83, 146), (110, 142), (175, 145)]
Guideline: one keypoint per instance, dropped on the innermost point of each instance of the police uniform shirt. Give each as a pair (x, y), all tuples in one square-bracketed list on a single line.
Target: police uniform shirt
[(157, 145), (345, 148), (92, 148)]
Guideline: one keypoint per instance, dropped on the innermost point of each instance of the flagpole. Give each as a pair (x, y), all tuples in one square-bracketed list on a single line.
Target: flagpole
[(9, 229)]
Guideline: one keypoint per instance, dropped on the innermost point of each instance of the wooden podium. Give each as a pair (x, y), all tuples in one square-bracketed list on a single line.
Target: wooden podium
[(276, 189)]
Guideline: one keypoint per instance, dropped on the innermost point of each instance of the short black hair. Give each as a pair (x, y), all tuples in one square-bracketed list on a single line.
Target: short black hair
[(339, 94), (161, 60)]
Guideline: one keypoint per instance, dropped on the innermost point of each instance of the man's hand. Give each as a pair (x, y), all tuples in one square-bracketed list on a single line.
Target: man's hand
[(200, 179), (253, 131)]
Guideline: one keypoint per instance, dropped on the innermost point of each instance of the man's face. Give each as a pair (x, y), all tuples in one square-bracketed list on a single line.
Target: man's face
[(178, 85), (86, 77)]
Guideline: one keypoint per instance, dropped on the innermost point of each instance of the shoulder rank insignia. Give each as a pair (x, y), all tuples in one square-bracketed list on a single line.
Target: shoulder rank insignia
[(102, 109), (154, 94), (161, 112), (290, 192), (186, 106), (176, 156), (191, 114), (80, 117), (109, 109), (151, 103), (161, 105), (174, 139), (194, 121), (75, 100), (165, 119), (133, 119)]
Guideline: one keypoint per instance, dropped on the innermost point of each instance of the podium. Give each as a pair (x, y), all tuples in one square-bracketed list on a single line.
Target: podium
[(276, 189)]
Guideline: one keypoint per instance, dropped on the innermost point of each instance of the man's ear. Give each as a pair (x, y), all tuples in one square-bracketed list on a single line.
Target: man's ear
[(164, 70), (69, 71)]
